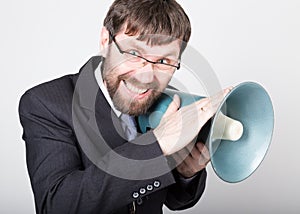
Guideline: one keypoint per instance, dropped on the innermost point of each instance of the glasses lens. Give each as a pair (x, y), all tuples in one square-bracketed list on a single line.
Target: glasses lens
[(164, 67), (132, 58), (137, 61)]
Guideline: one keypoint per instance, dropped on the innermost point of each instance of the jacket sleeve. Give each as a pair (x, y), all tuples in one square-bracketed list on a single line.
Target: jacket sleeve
[(185, 194), (60, 182)]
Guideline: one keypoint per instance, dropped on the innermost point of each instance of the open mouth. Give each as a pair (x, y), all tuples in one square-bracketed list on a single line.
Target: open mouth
[(134, 89)]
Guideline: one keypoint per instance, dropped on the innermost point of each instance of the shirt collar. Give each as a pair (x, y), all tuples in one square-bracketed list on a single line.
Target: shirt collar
[(99, 79)]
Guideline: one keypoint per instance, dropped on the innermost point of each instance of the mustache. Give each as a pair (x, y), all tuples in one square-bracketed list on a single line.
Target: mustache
[(132, 80)]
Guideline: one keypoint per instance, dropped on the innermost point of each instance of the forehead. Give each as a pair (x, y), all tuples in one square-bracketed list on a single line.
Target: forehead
[(150, 44)]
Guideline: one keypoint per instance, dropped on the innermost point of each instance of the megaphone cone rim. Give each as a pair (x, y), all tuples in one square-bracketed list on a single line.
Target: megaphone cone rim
[(210, 137)]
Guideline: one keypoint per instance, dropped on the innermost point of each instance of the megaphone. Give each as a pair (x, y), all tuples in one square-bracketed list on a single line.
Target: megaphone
[(239, 134)]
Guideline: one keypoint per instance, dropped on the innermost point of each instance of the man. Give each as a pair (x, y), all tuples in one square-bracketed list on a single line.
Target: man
[(84, 153)]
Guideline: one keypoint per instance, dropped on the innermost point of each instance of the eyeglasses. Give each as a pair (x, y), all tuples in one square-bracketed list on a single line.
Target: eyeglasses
[(137, 60)]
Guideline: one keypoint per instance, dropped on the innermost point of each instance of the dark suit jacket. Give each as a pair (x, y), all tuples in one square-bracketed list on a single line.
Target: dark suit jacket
[(62, 120)]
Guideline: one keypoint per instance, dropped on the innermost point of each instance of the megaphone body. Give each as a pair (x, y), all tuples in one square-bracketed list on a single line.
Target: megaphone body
[(239, 134)]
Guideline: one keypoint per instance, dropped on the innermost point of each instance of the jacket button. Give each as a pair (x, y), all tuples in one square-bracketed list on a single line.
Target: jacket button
[(142, 190), (156, 184), (135, 195), (149, 187)]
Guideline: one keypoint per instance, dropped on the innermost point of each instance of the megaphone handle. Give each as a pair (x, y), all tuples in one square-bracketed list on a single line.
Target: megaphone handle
[(226, 128)]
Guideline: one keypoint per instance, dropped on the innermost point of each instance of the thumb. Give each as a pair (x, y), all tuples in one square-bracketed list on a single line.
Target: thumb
[(173, 106)]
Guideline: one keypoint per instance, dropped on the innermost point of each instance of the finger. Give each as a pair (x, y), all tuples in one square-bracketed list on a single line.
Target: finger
[(229, 88), (190, 163), (190, 146), (173, 106), (184, 170), (214, 102), (217, 98), (203, 150), (203, 160), (177, 158), (183, 153), (195, 153), (202, 102)]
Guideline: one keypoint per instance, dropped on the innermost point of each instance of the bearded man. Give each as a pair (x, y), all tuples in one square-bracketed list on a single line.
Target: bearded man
[(84, 150)]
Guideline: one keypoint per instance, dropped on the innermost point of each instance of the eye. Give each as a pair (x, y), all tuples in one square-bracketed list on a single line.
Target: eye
[(164, 61), (134, 52)]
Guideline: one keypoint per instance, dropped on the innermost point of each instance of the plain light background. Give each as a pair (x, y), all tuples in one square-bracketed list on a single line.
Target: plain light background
[(242, 40)]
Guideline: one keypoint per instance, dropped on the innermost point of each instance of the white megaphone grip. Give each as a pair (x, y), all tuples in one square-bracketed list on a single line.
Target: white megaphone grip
[(226, 128)]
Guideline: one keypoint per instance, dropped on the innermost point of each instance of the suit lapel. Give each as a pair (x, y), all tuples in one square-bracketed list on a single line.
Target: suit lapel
[(99, 115), (108, 122)]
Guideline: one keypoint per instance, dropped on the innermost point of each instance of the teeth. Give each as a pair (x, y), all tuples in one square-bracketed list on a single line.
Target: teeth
[(134, 89)]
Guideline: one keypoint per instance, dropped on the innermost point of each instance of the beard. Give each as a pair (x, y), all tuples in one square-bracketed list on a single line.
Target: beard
[(131, 106)]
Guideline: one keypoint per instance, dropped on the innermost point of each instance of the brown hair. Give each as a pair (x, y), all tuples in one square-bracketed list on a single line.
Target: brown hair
[(148, 17)]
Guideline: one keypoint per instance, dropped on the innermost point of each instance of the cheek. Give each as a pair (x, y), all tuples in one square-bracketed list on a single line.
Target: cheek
[(114, 73), (163, 79), (115, 65)]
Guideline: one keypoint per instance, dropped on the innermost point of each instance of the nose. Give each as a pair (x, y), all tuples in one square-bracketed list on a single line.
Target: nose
[(145, 74)]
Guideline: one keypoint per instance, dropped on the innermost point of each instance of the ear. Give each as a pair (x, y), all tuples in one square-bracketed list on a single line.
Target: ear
[(104, 41)]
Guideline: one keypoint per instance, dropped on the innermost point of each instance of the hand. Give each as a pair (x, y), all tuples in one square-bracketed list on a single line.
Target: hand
[(191, 159), (178, 127)]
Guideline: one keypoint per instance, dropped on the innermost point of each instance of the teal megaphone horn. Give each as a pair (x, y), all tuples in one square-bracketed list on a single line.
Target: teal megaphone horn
[(238, 135)]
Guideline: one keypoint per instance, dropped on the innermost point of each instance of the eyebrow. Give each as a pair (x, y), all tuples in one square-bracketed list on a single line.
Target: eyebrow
[(134, 45)]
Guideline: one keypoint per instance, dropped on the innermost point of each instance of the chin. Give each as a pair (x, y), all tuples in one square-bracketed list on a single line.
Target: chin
[(135, 107)]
